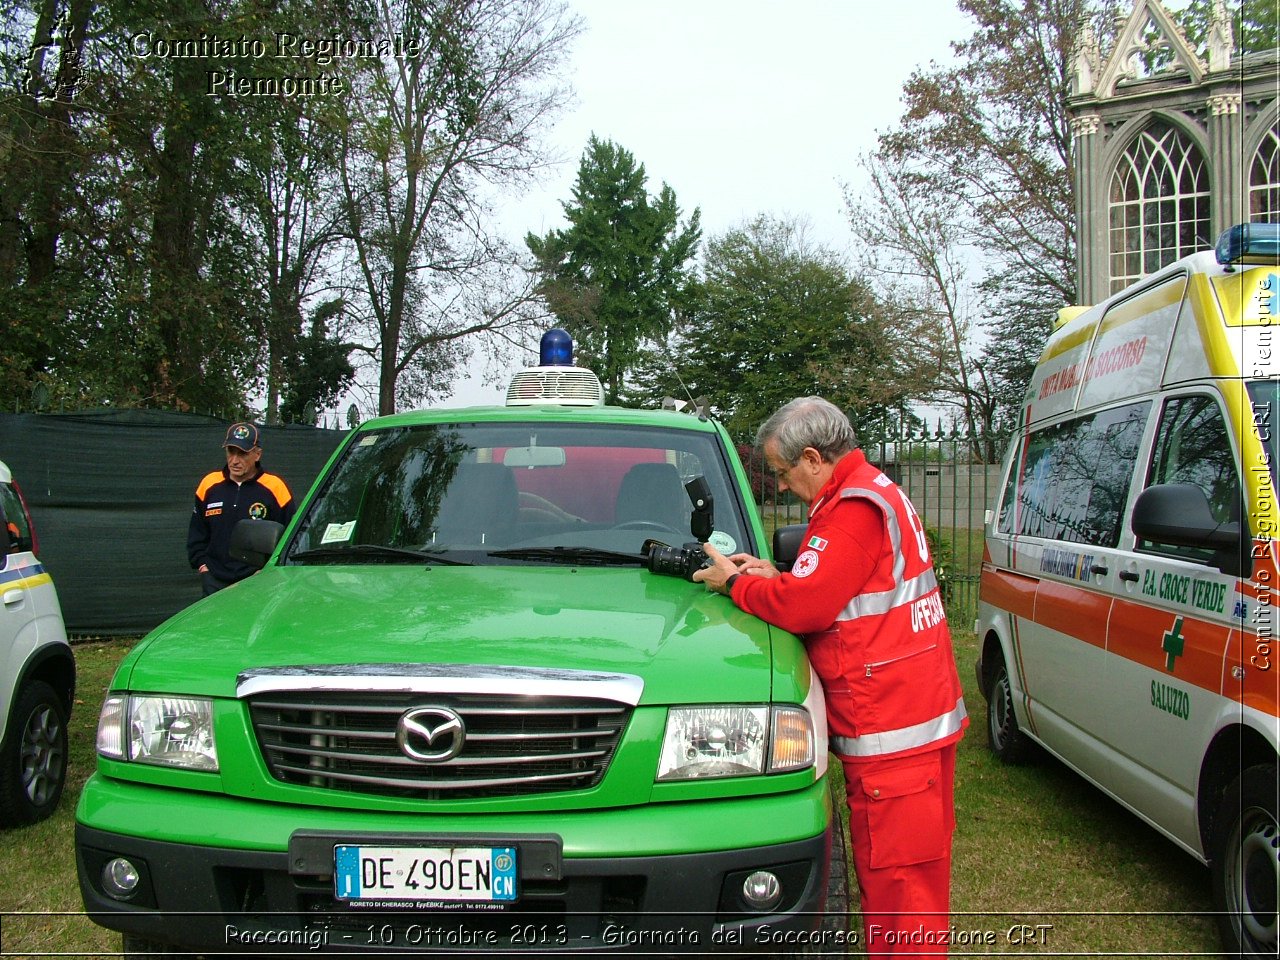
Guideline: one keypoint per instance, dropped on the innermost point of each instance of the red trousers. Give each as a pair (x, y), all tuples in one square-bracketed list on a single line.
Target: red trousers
[(901, 818)]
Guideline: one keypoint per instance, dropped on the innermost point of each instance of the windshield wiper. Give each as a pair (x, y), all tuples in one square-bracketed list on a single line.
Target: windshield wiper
[(357, 551), (583, 555)]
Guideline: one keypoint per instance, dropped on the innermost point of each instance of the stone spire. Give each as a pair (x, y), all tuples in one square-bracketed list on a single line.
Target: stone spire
[(1085, 59), (1221, 37)]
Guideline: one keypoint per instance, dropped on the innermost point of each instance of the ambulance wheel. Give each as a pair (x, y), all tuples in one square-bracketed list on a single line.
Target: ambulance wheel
[(1246, 864), (33, 759), (1008, 743)]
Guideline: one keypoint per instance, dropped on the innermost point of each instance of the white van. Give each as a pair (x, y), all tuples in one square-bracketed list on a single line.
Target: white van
[(1128, 618), (37, 671)]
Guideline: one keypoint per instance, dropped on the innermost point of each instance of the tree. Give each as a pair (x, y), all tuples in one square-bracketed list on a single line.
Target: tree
[(427, 130), (991, 132), (986, 142), (777, 316), (41, 56), (320, 369), (190, 158), (618, 276), (1255, 23), (124, 172), (994, 132), (294, 224), (293, 210), (914, 248)]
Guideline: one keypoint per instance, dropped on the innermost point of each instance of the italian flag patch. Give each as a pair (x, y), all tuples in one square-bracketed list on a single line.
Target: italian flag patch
[(817, 543)]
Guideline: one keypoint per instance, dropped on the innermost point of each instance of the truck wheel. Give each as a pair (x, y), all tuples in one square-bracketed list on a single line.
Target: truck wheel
[(33, 760), (1007, 742), (838, 897), (1246, 864), (135, 947), (835, 918)]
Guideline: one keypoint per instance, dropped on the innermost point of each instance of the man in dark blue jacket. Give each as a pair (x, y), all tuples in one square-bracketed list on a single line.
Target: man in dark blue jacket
[(240, 490)]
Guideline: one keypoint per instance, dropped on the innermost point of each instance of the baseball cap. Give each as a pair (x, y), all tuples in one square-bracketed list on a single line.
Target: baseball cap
[(242, 436)]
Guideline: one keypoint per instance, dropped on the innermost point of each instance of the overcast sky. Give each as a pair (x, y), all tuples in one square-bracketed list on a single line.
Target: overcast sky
[(741, 106)]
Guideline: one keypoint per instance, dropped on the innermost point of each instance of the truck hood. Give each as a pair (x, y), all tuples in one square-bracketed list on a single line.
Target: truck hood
[(684, 643)]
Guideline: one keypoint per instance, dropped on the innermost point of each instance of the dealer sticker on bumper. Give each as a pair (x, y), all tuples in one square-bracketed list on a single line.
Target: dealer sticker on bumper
[(447, 874)]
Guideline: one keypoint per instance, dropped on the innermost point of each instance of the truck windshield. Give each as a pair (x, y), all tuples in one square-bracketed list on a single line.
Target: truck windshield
[(1264, 398), (515, 492)]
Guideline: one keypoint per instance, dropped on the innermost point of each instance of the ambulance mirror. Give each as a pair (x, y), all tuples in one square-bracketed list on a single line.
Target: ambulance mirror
[(1178, 514)]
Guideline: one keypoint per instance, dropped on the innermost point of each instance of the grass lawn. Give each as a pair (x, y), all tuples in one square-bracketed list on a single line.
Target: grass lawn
[(1037, 852)]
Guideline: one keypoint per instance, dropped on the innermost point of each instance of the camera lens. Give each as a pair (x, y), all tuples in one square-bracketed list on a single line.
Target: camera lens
[(676, 561)]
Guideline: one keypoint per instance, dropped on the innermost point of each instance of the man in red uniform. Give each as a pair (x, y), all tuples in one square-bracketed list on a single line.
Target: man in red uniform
[(863, 596)]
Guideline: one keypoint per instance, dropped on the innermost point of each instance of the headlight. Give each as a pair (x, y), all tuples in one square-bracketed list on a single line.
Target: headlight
[(734, 741), (169, 731)]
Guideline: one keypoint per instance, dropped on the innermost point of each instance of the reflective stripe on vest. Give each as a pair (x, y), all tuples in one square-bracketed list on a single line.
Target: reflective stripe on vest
[(891, 524), (904, 738), (903, 591), (878, 604)]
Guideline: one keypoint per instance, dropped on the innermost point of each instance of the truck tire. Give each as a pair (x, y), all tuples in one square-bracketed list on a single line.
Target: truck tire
[(838, 894), (135, 947), (1007, 742), (836, 917), (1246, 864), (33, 759)]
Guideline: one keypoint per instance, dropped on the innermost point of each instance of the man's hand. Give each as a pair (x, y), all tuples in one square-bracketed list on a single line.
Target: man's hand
[(754, 566), (717, 575)]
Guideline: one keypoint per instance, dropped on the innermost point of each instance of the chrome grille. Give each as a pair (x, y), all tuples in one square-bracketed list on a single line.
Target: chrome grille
[(514, 745)]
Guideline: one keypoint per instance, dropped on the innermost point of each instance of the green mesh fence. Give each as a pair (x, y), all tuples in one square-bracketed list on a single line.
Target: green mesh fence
[(110, 494)]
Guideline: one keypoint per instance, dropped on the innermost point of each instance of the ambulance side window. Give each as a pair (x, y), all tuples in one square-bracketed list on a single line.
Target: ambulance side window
[(1193, 446), (1075, 477), (1005, 522)]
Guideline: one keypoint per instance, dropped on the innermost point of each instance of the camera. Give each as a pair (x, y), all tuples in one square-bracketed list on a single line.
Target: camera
[(675, 561)]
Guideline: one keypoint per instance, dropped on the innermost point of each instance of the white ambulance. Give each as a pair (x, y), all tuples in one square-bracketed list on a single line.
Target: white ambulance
[(1128, 618)]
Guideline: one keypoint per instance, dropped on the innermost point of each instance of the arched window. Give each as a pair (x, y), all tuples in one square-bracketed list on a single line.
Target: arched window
[(1159, 204), (1264, 180)]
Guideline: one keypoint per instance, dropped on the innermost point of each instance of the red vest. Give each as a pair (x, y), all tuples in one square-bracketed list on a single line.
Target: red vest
[(864, 597)]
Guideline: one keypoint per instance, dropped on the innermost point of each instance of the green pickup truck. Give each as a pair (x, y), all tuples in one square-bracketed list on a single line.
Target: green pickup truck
[(473, 701)]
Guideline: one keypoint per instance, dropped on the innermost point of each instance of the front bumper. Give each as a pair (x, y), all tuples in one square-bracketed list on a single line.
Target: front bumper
[(216, 897)]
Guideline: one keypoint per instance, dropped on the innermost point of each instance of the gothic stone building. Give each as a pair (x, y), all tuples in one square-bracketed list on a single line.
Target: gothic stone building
[(1170, 149)]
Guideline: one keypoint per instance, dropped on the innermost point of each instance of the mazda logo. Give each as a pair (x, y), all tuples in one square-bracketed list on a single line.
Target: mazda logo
[(430, 734)]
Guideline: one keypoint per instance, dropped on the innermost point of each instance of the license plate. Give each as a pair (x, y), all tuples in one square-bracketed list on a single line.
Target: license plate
[(447, 874)]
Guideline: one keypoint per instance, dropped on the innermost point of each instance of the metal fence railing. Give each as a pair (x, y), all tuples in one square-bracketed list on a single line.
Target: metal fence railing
[(951, 480)]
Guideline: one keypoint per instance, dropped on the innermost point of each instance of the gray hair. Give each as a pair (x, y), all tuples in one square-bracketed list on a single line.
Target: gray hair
[(808, 422)]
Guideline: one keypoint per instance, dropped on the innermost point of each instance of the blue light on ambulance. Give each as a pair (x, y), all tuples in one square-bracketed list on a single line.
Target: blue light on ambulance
[(1245, 240)]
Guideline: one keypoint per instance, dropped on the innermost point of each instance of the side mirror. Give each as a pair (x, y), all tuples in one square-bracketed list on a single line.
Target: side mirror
[(787, 542), (1178, 514), (253, 541)]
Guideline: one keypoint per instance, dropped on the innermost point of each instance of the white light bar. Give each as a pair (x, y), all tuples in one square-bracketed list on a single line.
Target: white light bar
[(566, 386)]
